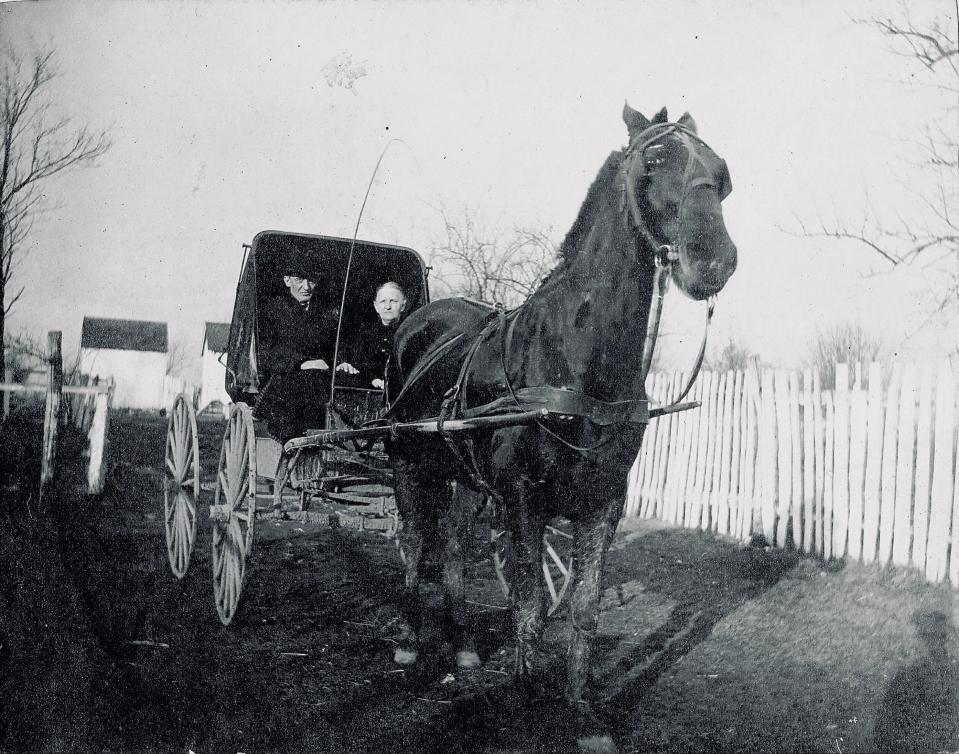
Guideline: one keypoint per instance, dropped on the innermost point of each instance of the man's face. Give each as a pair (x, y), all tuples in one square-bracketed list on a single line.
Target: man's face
[(389, 304), (300, 288)]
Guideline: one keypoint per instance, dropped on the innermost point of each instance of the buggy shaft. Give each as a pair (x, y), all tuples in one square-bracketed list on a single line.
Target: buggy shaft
[(425, 426)]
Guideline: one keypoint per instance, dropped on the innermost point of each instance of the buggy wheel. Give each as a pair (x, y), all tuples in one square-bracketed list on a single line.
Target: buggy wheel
[(234, 511), (181, 485), (557, 562)]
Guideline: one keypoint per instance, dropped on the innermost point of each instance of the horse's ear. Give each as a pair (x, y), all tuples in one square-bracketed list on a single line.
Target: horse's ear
[(661, 117), (686, 120), (635, 121)]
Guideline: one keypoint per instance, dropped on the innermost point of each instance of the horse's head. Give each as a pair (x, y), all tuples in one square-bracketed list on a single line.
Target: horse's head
[(673, 184)]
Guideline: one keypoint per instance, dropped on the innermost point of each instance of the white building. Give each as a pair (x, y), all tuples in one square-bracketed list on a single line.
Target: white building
[(216, 335), (133, 353)]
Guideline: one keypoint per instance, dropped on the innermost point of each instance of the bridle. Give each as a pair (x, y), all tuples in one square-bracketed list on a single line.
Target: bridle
[(664, 254)]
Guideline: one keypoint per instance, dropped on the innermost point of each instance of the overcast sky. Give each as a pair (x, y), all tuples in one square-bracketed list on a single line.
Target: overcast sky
[(230, 118)]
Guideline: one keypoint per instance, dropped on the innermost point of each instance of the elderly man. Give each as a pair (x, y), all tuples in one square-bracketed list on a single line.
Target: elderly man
[(297, 333)]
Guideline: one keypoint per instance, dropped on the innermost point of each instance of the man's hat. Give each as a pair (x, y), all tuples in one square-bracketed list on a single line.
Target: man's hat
[(296, 267)]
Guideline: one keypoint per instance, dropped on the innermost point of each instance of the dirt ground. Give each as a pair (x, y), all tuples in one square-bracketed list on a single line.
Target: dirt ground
[(705, 646)]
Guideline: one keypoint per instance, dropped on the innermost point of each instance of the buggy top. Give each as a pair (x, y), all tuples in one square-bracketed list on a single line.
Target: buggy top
[(327, 258)]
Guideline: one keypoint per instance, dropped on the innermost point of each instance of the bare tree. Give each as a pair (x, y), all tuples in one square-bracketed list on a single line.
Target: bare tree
[(932, 49), (732, 355), (491, 267), (846, 344), (35, 144)]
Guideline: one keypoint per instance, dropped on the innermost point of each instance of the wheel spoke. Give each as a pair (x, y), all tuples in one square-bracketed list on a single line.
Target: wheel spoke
[(244, 486), (549, 582), (556, 559)]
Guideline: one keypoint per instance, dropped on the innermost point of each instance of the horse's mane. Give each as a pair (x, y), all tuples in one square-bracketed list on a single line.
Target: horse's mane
[(597, 202)]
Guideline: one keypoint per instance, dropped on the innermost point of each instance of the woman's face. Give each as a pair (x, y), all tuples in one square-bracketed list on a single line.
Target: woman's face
[(389, 303)]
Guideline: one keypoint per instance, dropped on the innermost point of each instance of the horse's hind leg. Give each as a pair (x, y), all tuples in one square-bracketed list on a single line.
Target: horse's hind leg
[(457, 527)]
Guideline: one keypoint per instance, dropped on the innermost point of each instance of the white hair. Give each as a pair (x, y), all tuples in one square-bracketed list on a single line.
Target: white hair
[(390, 284)]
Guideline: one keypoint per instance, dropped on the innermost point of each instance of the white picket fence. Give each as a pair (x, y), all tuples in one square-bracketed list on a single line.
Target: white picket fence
[(867, 473)]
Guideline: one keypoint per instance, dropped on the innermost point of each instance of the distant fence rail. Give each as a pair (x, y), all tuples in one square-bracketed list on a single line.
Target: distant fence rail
[(867, 472), (87, 408)]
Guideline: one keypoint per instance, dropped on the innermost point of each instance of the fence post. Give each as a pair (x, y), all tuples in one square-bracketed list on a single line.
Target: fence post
[(942, 479), (99, 427), (51, 419), (905, 473)]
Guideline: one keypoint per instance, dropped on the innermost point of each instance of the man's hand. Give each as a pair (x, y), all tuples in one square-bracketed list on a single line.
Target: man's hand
[(348, 368), (315, 364), (378, 383)]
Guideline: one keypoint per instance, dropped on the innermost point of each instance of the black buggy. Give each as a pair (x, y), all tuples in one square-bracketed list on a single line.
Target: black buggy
[(336, 473)]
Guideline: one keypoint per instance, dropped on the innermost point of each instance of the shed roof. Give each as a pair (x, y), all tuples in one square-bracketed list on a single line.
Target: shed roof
[(124, 334), (217, 336)]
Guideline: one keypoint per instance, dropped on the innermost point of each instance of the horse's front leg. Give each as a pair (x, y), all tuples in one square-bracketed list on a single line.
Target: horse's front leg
[(457, 527), (410, 497), (593, 535), (528, 600)]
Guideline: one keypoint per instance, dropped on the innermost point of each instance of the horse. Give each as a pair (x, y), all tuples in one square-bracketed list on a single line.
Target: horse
[(576, 346)]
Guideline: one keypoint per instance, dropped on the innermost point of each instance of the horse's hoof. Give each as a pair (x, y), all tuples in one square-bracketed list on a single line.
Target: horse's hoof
[(405, 656), (597, 745), (467, 659)]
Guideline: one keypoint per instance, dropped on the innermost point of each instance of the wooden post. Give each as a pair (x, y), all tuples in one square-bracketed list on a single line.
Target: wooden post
[(942, 479), (750, 463), (686, 423), (819, 448), (888, 475), (712, 460), (920, 508), (51, 418), (695, 421), (902, 534), (797, 449), (767, 451), (784, 457), (99, 428), (840, 493), (702, 443), (871, 496), (808, 464), (735, 473), (857, 467), (676, 470), (829, 430), (721, 523)]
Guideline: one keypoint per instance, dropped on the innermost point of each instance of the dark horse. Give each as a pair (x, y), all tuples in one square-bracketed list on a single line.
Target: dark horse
[(576, 346)]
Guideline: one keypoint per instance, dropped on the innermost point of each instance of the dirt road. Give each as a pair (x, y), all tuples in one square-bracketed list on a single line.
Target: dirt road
[(704, 646)]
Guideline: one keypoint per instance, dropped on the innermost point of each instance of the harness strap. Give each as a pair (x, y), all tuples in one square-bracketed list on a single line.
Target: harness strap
[(437, 353), (563, 402)]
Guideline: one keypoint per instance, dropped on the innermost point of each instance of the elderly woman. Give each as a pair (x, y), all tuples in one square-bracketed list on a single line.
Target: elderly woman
[(374, 342)]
